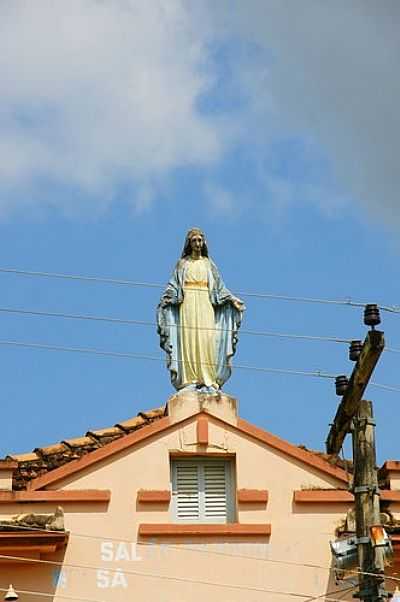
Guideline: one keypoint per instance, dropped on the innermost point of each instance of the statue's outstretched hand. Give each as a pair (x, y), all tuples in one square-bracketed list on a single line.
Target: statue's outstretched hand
[(238, 304), (164, 302)]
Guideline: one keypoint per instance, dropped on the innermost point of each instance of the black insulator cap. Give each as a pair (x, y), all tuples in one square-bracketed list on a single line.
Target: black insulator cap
[(355, 350), (371, 315), (341, 383)]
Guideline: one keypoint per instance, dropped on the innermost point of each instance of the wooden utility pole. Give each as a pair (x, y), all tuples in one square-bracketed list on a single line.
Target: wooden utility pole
[(367, 512), (355, 415)]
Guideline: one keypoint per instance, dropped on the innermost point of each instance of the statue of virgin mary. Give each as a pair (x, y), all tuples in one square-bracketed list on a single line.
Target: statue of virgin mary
[(198, 320)]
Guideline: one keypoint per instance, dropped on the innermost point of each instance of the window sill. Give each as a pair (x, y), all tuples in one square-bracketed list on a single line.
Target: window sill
[(200, 530), (151, 496)]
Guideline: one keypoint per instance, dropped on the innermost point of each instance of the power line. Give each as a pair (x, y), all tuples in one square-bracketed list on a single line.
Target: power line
[(179, 548), (307, 597), (129, 355), (80, 277), (154, 576), (142, 356), (331, 593), (128, 321), (126, 282), (309, 565), (386, 387), (392, 350), (133, 322)]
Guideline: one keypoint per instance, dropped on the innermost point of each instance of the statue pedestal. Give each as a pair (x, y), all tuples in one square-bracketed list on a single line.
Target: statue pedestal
[(185, 404)]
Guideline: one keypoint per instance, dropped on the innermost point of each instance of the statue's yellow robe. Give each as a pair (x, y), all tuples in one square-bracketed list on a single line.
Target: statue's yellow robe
[(197, 327)]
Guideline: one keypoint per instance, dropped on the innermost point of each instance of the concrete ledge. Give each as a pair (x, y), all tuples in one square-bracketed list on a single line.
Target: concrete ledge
[(326, 496), (252, 496), (151, 496), (338, 496), (186, 404), (61, 496)]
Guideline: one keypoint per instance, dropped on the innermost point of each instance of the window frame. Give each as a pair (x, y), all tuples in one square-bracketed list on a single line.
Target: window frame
[(230, 492)]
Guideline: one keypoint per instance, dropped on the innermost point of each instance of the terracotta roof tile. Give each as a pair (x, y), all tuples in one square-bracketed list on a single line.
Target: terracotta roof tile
[(44, 459), (20, 458), (156, 413), (112, 431), (78, 442), (132, 423), (50, 450), (347, 465)]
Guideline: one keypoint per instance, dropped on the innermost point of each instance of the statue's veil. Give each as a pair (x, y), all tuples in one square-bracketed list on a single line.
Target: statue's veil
[(187, 250)]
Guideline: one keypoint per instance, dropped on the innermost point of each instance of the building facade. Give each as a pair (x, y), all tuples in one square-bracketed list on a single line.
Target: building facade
[(186, 502)]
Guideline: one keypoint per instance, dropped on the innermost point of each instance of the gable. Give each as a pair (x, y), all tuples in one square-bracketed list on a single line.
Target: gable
[(182, 436)]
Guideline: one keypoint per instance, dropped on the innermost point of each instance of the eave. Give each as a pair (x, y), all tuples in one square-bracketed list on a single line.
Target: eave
[(30, 544)]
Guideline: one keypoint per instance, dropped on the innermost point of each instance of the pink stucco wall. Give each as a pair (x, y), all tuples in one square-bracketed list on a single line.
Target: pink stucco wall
[(104, 561)]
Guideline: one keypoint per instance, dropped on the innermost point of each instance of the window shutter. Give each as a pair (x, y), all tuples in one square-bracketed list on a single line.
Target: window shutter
[(187, 491), (215, 491), (202, 491)]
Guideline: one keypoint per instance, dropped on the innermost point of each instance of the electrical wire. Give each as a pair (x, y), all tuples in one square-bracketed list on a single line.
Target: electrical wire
[(66, 597), (125, 282), (307, 597), (161, 577), (171, 546), (83, 567), (332, 593), (129, 355), (128, 321), (132, 322), (309, 565), (386, 387)]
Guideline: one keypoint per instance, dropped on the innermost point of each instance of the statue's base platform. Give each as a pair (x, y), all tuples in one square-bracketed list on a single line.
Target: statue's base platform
[(187, 403)]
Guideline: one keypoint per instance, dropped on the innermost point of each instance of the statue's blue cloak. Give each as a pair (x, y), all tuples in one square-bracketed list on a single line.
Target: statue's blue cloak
[(227, 322)]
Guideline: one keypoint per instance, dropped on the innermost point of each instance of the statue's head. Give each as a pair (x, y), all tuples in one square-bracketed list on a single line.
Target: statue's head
[(187, 249)]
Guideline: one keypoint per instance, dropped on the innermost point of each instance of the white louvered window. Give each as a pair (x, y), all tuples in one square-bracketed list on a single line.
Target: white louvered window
[(202, 491)]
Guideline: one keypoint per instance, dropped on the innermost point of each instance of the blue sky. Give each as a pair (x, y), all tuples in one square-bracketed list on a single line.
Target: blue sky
[(257, 126)]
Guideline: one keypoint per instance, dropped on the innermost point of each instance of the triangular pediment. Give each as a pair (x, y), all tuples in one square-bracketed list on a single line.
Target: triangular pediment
[(147, 433)]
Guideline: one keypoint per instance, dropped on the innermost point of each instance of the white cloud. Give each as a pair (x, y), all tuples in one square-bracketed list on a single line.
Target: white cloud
[(94, 93), (331, 75), (98, 94)]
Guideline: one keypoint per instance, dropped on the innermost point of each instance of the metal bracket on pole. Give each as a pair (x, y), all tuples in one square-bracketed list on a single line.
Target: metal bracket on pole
[(362, 489), (366, 489), (362, 540)]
